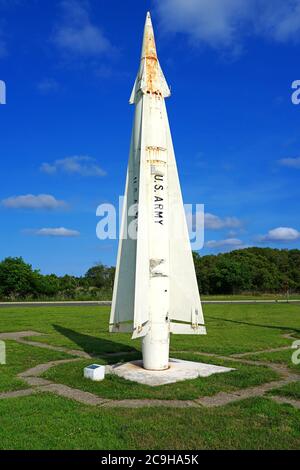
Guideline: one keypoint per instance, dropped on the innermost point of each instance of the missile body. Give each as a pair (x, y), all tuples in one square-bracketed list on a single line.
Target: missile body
[(155, 289)]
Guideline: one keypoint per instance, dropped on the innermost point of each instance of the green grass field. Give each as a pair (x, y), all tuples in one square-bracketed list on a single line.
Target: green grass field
[(19, 358), (250, 296), (47, 421)]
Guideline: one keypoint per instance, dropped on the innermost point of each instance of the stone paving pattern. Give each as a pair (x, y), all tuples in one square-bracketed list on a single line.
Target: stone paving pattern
[(38, 384)]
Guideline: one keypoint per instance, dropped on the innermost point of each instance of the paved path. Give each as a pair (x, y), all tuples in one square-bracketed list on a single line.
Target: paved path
[(38, 384), (19, 334), (17, 393), (287, 401)]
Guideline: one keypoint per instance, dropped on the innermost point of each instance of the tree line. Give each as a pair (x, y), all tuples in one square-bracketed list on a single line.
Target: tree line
[(250, 270), (19, 281)]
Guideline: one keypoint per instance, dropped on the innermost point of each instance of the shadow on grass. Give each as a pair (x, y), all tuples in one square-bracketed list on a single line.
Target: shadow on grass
[(289, 329), (98, 347)]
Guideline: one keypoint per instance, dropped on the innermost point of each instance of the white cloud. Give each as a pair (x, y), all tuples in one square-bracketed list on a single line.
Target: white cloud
[(29, 201), (57, 232), (214, 222), (225, 23), (76, 34), (194, 220), (281, 234), (210, 221), (80, 165), (228, 242), (290, 162)]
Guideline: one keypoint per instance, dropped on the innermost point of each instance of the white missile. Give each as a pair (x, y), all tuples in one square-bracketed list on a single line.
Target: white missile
[(155, 290)]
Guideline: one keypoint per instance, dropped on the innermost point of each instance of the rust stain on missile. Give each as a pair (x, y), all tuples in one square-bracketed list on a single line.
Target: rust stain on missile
[(151, 62)]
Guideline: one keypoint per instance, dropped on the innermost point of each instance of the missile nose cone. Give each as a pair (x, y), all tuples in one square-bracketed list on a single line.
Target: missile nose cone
[(148, 18), (150, 77), (149, 47)]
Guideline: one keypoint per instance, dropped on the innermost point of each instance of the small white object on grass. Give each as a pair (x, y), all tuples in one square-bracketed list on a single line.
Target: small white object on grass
[(94, 372)]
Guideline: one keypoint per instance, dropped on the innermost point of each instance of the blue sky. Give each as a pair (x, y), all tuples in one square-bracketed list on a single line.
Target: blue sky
[(69, 67)]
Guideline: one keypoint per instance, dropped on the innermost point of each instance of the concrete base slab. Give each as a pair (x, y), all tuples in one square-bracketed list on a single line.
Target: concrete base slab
[(179, 370)]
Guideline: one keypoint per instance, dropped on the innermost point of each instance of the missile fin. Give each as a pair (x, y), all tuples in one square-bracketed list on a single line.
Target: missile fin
[(185, 304), (123, 295)]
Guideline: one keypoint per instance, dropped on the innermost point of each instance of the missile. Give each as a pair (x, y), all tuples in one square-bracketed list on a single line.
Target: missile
[(155, 289)]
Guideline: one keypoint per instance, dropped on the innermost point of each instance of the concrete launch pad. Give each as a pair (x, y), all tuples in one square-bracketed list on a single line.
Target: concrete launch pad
[(179, 370)]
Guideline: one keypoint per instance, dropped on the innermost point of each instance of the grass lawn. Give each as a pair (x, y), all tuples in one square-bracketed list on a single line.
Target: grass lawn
[(118, 388), (20, 357), (251, 297), (50, 422), (231, 328), (291, 390), (46, 421), (279, 357)]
